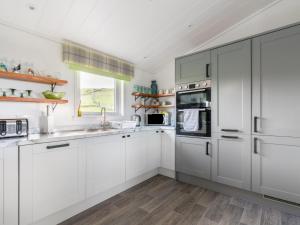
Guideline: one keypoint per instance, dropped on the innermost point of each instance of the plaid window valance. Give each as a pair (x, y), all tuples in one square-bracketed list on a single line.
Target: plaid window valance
[(82, 58)]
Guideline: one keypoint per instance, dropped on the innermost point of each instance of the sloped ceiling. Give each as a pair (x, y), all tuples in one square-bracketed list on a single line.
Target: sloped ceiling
[(148, 33)]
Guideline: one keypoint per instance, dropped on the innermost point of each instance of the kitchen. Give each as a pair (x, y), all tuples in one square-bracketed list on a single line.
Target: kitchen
[(183, 120)]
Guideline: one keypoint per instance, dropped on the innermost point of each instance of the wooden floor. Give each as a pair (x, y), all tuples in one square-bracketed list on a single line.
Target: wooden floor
[(163, 201)]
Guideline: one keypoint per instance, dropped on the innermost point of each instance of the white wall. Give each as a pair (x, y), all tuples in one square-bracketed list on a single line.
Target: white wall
[(279, 14), (46, 56)]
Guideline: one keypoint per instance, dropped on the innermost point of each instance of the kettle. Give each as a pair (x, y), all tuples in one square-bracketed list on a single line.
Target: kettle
[(137, 118)]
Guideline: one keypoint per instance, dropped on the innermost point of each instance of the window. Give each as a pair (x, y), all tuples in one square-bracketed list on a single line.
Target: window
[(99, 91)]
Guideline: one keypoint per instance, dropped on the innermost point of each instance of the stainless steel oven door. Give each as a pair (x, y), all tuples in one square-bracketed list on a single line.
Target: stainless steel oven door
[(199, 98), (204, 124)]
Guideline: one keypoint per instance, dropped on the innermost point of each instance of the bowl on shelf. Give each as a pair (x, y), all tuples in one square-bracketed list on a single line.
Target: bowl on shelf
[(53, 95)]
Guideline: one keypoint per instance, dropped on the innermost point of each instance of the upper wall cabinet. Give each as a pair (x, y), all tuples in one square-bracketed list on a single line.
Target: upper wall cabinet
[(276, 79), (193, 68), (231, 92)]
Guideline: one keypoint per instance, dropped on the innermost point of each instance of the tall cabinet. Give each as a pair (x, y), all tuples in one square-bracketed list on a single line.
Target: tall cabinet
[(231, 114), (276, 130)]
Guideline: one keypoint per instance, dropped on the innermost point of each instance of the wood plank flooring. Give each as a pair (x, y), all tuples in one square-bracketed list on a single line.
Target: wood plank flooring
[(164, 201)]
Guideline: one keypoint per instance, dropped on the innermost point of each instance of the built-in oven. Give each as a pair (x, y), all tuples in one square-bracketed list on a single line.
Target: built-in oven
[(193, 113)]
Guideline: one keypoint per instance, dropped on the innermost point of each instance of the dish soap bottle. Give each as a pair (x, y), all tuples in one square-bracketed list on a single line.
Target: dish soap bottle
[(79, 112)]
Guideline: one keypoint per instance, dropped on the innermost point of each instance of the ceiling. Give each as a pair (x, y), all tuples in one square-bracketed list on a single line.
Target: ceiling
[(149, 33)]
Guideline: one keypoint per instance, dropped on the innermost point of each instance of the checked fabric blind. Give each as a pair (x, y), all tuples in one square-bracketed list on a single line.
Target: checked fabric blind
[(82, 58)]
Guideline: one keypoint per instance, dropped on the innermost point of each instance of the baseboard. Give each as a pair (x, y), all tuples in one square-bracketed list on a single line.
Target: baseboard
[(166, 172), (90, 202), (236, 192)]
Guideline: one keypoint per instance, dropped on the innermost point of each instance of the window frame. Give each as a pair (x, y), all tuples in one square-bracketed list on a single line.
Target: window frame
[(119, 98)]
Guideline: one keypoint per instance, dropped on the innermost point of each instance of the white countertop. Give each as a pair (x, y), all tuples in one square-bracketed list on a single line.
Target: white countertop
[(71, 135)]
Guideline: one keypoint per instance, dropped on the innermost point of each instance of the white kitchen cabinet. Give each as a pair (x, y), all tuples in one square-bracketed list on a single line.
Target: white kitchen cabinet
[(231, 160), (136, 154), (105, 163), (51, 179), (231, 91), (168, 149), (275, 167), (1, 187), (9, 185), (276, 83), (193, 156), (153, 149)]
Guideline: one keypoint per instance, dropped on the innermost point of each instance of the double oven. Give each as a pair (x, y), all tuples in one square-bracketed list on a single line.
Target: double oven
[(193, 112)]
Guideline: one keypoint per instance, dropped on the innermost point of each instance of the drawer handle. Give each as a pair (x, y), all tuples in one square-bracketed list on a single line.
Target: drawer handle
[(230, 137), (58, 146), (230, 130), (162, 131), (128, 135), (157, 131), (207, 150), (123, 136)]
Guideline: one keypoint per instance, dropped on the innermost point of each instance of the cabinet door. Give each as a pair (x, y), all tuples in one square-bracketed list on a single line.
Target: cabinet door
[(51, 179), (231, 92), (136, 155), (153, 150), (1, 188), (276, 81), (193, 68), (105, 163), (193, 156), (231, 164), (276, 167), (168, 149)]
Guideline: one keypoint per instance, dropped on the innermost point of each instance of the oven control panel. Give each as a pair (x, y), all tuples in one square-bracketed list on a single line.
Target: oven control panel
[(195, 85)]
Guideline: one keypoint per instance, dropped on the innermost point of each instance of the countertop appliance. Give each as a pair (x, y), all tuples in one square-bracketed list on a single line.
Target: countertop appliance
[(193, 99), (157, 119), (13, 128), (137, 118)]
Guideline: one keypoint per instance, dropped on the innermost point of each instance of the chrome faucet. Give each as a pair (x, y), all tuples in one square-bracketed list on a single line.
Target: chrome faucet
[(103, 117)]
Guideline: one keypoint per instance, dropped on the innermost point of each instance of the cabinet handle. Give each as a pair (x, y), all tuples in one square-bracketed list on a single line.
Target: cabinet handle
[(157, 131), (162, 131), (123, 136), (207, 70), (230, 130), (230, 137), (57, 146), (207, 150), (255, 123), (255, 145), (128, 135)]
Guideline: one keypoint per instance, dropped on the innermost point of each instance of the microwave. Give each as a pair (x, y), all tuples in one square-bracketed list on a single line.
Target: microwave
[(157, 119)]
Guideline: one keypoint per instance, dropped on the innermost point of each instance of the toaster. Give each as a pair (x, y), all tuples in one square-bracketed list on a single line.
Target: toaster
[(13, 128)]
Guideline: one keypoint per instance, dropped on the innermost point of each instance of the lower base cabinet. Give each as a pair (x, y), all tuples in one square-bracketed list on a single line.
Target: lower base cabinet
[(51, 179), (1, 187), (136, 154), (231, 160), (153, 139), (105, 164), (275, 167), (193, 156), (168, 149), (9, 185)]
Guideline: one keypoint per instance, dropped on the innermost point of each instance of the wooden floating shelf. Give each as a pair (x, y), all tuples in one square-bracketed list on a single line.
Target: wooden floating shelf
[(152, 106), (137, 94), (32, 78), (34, 100)]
